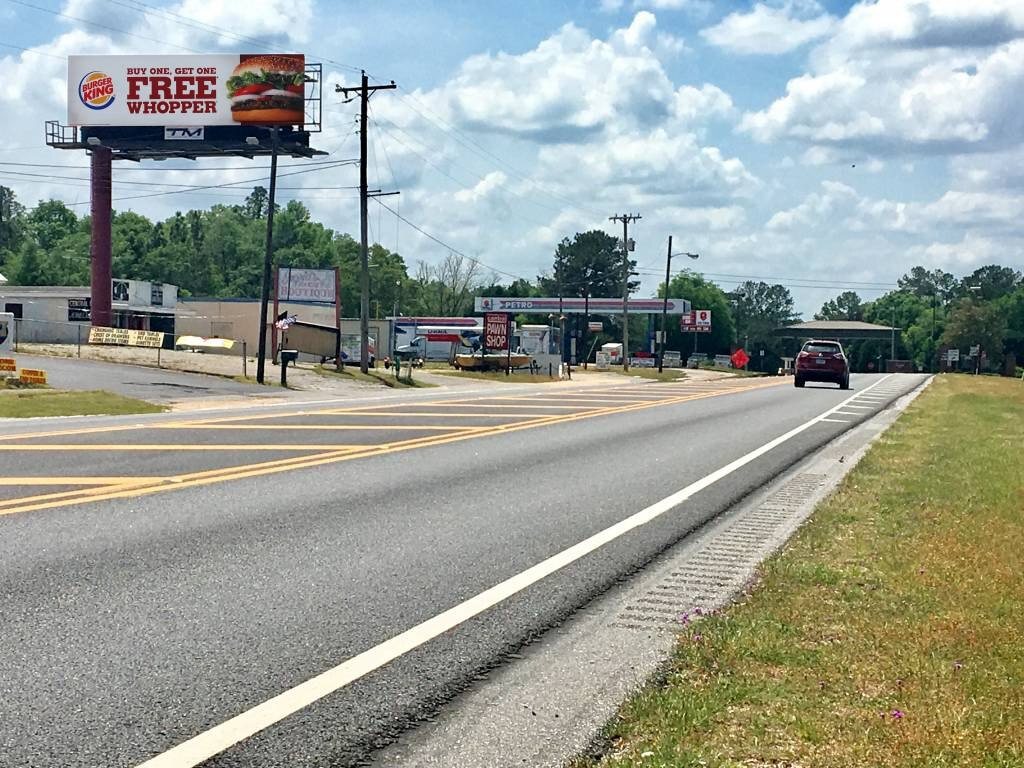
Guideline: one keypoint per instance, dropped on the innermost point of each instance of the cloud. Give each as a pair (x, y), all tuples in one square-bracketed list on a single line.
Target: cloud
[(769, 30), (908, 76)]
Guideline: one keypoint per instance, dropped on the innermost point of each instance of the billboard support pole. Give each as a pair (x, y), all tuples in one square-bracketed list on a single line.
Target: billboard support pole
[(268, 253), (100, 270)]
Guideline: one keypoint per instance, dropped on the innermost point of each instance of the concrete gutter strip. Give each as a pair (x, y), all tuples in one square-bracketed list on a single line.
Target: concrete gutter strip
[(550, 703)]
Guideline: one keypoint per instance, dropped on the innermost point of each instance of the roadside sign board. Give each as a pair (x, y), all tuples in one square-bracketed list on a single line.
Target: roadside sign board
[(975, 350), (125, 337), (696, 321), (32, 376), (673, 359), (739, 358), (603, 360), (595, 327), (496, 331), (79, 310), (8, 365), (953, 355), (306, 285)]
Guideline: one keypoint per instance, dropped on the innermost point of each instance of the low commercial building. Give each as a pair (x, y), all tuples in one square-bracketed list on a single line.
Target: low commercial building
[(49, 314)]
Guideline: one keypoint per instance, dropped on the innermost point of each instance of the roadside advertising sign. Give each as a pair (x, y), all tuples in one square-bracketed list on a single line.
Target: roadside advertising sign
[(496, 331), (32, 376), (953, 355), (79, 310), (595, 327), (125, 337), (8, 365), (189, 91), (603, 360), (306, 285), (739, 358), (697, 321)]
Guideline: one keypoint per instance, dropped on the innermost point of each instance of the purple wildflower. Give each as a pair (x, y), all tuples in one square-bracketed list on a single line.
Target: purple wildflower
[(896, 714)]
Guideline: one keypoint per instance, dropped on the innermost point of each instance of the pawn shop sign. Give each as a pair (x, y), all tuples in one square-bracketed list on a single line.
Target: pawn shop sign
[(739, 358)]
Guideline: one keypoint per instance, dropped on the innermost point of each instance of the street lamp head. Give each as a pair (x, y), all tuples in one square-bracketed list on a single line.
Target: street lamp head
[(692, 255)]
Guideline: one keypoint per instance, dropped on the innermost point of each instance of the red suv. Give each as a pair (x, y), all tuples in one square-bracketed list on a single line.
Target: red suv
[(822, 361)]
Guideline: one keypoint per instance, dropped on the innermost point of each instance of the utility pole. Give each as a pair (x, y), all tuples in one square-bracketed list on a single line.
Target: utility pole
[(365, 91), (625, 218)]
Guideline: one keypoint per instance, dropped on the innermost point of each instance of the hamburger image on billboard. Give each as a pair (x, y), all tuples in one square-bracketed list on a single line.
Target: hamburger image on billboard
[(268, 89)]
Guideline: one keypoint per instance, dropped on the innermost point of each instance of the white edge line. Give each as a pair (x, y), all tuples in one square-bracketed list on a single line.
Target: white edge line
[(212, 742)]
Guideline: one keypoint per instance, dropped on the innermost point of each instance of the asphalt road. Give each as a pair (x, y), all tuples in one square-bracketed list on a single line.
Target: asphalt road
[(162, 576)]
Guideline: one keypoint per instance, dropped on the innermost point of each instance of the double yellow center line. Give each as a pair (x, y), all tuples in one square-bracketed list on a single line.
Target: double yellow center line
[(123, 487)]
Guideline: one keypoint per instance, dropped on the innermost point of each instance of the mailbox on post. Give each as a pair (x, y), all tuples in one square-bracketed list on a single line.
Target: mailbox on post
[(287, 356)]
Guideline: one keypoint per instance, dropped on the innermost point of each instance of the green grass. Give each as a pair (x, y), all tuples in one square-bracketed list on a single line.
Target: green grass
[(904, 593), (29, 403), (373, 376), (669, 374), (516, 377), (734, 371)]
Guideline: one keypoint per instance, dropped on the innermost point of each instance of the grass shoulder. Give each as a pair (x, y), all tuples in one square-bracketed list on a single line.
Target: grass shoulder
[(516, 377), (373, 376), (669, 374), (17, 402), (888, 631)]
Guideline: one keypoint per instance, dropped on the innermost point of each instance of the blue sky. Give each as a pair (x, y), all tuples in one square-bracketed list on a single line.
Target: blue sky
[(834, 145)]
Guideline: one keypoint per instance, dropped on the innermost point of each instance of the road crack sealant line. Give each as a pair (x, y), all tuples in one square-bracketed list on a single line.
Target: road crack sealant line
[(208, 477), (217, 739)]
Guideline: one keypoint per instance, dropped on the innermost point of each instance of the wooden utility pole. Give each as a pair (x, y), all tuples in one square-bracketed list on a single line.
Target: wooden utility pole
[(365, 90), (625, 218)]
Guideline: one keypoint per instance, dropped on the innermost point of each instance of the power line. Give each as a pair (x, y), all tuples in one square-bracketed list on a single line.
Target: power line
[(33, 51), (96, 24), (443, 244), (160, 169), (480, 150), (216, 186)]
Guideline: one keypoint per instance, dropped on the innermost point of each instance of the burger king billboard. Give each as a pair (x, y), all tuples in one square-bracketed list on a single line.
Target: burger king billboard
[(214, 89)]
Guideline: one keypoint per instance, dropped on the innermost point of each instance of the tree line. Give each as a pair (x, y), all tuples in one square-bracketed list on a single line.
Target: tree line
[(218, 252)]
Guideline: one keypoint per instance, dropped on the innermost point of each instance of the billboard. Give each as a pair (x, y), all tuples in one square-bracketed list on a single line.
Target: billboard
[(192, 90), (306, 285)]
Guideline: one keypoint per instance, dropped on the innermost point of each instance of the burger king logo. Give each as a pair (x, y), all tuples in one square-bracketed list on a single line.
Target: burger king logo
[(96, 90)]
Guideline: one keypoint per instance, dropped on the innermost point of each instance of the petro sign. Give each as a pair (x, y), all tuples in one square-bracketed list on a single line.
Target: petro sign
[(205, 89)]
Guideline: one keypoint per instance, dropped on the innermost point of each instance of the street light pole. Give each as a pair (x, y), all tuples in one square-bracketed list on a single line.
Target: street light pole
[(268, 254), (664, 306)]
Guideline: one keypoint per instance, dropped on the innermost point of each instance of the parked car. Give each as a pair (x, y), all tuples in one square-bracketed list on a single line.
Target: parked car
[(822, 361)]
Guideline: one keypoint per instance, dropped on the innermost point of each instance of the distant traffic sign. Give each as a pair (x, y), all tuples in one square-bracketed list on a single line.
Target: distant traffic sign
[(952, 355), (739, 358)]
